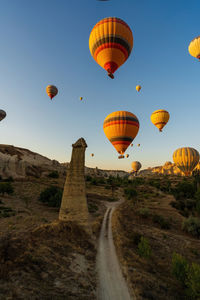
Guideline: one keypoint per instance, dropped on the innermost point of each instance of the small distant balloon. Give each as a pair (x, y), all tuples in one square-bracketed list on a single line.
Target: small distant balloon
[(194, 47), (138, 88), (52, 91), (127, 155), (138, 145), (81, 98), (159, 118), (136, 166), (131, 145), (92, 154), (2, 114)]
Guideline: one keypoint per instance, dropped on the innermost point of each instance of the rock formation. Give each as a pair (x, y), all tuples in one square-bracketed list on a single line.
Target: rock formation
[(74, 201)]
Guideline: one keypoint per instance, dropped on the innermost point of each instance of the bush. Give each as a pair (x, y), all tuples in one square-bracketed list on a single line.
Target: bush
[(9, 179), (184, 190), (144, 249), (52, 196), (130, 193), (144, 212), (179, 268), (193, 281), (164, 224), (6, 188), (88, 178), (54, 174), (192, 226), (137, 181), (155, 183)]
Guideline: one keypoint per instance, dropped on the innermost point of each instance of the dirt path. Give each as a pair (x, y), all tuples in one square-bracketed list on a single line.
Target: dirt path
[(112, 285)]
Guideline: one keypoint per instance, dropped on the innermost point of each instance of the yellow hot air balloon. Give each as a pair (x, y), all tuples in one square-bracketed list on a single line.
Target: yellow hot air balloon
[(52, 91), (127, 155), (121, 127), (138, 88), (194, 47), (186, 159), (2, 114), (81, 98), (92, 154), (138, 145), (159, 118), (110, 43), (136, 166)]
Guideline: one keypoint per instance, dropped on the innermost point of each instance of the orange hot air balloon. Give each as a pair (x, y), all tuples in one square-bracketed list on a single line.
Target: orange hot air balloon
[(131, 145), (127, 155), (138, 88), (111, 43), (121, 127), (136, 166), (52, 91), (159, 118), (92, 154)]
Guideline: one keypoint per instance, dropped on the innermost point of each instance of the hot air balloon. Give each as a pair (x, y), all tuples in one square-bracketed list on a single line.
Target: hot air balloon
[(131, 145), (81, 98), (92, 154), (194, 47), (159, 118), (186, 159), (121, 127), (2, 114), (52, 91), (138, 145), (138, 88), (110, 43), (136, 166), (127, 155)]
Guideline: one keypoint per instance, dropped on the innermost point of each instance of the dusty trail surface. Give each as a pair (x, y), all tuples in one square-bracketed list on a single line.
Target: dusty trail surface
[(112, 285)]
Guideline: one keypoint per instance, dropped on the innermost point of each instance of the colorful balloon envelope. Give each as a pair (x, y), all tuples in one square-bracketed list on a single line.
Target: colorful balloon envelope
[(159, 118), (111, 43), (121, 127), (186, 159), (92, 154), (138, 88), (194, 47), (127, 155), (81, 98), (136, 166), (2, 114), (52, 91), (138, 145)]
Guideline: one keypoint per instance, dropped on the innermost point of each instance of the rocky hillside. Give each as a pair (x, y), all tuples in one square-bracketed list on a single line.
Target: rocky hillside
[(167, 169), (20, 163)]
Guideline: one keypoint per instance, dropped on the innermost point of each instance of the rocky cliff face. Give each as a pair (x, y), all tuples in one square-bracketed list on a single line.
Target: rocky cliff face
[(167, 169), (20, 163)]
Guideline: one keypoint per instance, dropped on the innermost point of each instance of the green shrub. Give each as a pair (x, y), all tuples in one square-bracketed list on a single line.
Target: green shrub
[(54, 174), (155, 183), (9, 179), (6, 212), (192, 226), (164, 224), (184, 190), (88, 178), (197, 197), (144, 249), (52, 196), (179, 268), (94, 181), (130, 193), (92, 207), (144, 212), (137, 181), (193, 281), (6, 188)]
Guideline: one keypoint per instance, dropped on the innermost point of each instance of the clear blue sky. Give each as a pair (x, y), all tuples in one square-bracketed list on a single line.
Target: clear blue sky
[(46, 42)]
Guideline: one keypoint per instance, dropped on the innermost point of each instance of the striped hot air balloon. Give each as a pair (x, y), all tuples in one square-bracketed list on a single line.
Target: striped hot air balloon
[(159, 118), (52, 91), (110, 43), (186, 159), (121, 127), (194, 47)]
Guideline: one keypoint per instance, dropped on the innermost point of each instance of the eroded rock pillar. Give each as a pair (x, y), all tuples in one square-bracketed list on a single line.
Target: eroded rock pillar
[(74, 202)]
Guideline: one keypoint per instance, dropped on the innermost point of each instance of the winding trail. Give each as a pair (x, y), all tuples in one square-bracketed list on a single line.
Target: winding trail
[(112, 285)]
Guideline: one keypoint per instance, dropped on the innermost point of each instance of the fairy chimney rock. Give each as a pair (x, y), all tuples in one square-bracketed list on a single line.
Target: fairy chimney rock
[(74, 202)]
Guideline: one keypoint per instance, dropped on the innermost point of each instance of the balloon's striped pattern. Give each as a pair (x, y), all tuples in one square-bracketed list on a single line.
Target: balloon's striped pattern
[(160, 118), (186, 159), (194, 47), (110, 43), (52, 91), (121, 127)]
